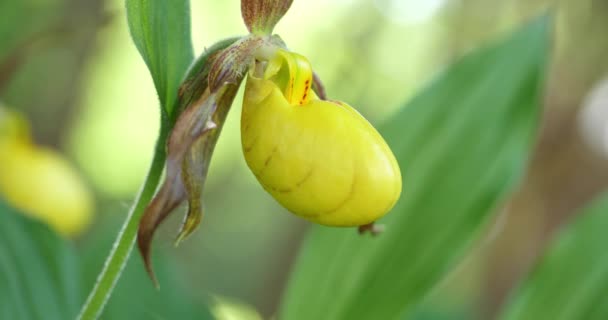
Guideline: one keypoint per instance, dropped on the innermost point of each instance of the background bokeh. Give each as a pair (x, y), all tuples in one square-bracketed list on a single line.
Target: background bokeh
[(71, 68)]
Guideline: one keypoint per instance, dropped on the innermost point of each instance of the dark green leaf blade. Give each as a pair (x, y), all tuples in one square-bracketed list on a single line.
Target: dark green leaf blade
[(462, 144), (161, 32), (38, 271), (571, 280)]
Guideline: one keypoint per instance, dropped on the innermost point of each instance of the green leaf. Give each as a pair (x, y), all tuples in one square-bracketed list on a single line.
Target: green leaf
[(38, 271), (161, 32), (135, 297), (571, 280), (462, 145)]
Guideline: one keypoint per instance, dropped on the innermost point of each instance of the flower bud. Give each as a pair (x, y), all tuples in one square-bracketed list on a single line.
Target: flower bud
[(320, 159)]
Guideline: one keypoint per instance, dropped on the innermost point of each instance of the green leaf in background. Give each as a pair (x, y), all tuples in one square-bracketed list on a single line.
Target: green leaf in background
[(571, 281), (135, 297), (161, 32), (462, 145), (39, 277), (24, 20)]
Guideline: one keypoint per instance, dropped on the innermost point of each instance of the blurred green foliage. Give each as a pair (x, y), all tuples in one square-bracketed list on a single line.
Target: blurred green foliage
[(472, 127), (44, 277), (135, 297), (571, 280), (37, 13), (38, 270)]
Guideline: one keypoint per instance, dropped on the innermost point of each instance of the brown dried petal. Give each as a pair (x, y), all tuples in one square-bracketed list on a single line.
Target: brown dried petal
[(261, 16), (189, 151), (231, 63), (206, 94), (192, 123), (317, 86), (196, 164), (196, 80)]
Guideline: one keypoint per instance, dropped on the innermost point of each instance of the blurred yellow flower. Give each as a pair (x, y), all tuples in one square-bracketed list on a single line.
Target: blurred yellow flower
[(40, 181)]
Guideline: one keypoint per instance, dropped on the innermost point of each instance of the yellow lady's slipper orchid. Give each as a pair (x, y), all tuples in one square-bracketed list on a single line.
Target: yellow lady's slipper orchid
[(39, 181), (319, 158)]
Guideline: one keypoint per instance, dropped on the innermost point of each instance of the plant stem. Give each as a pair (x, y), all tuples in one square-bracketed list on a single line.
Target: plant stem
[(194, 85), (123, 244)]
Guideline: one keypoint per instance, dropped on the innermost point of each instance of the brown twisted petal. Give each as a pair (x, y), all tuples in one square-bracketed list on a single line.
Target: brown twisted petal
[(189, 151), (230, 64), (318, 87)]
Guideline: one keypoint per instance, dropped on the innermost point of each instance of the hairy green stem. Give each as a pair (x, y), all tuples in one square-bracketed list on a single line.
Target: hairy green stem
[(121, 250)]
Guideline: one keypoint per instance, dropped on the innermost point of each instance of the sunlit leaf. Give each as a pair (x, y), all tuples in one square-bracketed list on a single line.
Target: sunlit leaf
[(39, 276), (161, 32), (462, 145), (571, 281)]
